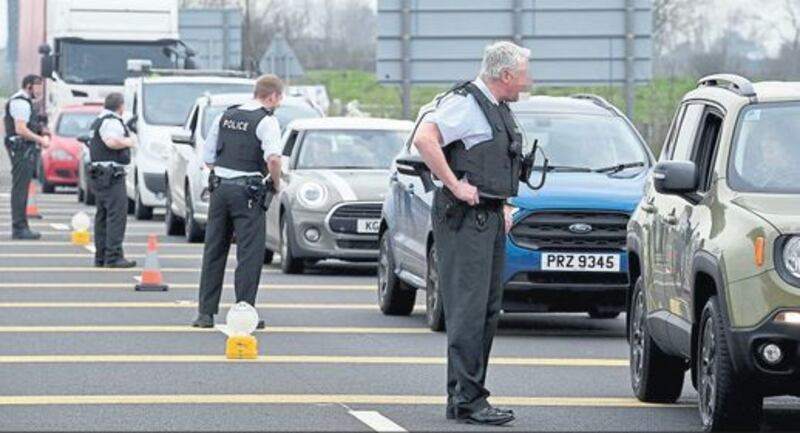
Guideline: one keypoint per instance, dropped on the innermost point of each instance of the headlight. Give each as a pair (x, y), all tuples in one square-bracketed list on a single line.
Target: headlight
[(790, 258), (61, 155), (312, 195)]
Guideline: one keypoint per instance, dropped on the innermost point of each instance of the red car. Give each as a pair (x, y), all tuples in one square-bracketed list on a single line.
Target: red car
[(59, 163)]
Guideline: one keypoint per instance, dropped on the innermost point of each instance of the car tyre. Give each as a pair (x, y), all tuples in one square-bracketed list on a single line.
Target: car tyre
[(174, 225), (195, 232), (395, 298), (141, 212), (434, 311), (655, 376), (269, 256), (725, 403), (289, 263)]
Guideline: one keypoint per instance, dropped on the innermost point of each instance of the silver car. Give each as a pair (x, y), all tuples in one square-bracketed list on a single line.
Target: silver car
[(187, 176), (335, 177)]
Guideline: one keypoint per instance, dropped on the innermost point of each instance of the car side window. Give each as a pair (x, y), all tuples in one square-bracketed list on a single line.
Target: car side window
[(193, 122), (291, 140), (686, 133), (705, 149), (669, 142)]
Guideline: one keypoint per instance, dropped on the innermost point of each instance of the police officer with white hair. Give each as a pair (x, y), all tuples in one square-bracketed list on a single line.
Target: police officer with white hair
[(472, 144), (23, 133)]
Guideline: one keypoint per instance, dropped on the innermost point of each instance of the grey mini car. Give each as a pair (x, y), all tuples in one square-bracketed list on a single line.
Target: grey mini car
[(335, 177)]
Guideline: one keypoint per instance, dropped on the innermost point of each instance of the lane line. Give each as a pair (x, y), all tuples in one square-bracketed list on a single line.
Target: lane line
[(191, 304), (16, 269), (304, 359), (310, 399), (189, 329), (83, 256), (68, 244), (376, 421), (90, 248), (114, 286)]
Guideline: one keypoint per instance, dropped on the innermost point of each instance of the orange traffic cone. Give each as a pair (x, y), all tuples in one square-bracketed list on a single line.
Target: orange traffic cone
[(151, 280), (32, 210)]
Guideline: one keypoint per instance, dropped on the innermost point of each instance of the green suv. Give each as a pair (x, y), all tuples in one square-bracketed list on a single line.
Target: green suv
[(714, 253)]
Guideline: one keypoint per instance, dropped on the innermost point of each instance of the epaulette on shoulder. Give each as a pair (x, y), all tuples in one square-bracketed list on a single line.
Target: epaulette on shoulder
[(460, 88)]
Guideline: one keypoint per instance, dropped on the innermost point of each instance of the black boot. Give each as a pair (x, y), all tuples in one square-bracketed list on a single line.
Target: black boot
[(204, 321), (489, 416), (121, 263), (26, 234)]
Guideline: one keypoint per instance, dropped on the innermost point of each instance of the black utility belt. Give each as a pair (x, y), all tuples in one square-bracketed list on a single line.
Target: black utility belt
[(241, 181)]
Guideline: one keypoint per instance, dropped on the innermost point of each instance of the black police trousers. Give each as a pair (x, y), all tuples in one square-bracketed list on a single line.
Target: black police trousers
[(23, 166), (229, 213), (110, 218), (470, 261)]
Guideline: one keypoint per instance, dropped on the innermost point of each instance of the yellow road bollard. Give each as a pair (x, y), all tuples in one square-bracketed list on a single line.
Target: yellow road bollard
[(242, 320), (241, 347)]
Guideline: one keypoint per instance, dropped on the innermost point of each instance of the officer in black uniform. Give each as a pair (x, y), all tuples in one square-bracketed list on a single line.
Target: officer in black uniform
[(109, 150), (23, 133), (242, 148), (472, 143)]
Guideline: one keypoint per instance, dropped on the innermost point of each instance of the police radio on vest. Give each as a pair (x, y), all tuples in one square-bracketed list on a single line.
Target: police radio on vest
[(234, 124)]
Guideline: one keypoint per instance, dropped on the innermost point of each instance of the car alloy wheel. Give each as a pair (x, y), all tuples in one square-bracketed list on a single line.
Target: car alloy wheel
[(637, 336), (434, 311), (708, 373)]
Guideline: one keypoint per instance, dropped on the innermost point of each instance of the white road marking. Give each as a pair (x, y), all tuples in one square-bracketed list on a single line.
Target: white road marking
[(59, 226), (90, 248), (376, 421), (138, 278)]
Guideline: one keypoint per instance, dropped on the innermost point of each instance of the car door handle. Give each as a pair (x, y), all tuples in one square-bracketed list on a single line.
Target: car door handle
[(671, 219), (393, 177), (410, 189)]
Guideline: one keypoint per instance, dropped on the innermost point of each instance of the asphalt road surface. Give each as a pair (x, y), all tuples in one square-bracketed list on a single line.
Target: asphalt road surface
[(81, 350)]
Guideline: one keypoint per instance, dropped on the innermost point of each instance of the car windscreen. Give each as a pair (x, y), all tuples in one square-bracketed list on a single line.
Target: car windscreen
[(169, 103), (349, 149), (74, 124), (584, 141), (766, 150), (87, 62), (284, 114)]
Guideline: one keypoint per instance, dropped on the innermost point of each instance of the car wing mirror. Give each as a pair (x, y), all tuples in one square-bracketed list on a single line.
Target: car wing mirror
[(85, 139), (675, 177), (183, 137), (414, 165)]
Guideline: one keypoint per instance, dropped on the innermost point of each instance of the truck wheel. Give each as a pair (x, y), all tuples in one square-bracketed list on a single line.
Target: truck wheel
[(289, 263), (173, 224), (434, 311), (141, 212), (655, 376), (725, 403), (395, 298)]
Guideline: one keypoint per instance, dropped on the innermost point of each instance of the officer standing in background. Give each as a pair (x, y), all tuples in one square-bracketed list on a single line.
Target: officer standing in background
[(472, 143), (23, 132), (109, 150), (242, 147)]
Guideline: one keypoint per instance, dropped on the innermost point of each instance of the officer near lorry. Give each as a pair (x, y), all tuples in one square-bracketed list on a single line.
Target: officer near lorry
[(23, 133), (110, 142), (243, 151), (472, 144)]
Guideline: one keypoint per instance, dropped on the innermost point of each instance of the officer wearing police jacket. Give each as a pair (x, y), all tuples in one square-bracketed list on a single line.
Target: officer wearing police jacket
[(23, 133), (242, 149), (472, 143)]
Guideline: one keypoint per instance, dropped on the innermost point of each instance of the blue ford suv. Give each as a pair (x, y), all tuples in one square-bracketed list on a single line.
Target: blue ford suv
[(566, 249)]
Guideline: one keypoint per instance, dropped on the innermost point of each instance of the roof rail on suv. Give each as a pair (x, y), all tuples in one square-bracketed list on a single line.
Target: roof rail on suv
[(599, 100), (735, 83)]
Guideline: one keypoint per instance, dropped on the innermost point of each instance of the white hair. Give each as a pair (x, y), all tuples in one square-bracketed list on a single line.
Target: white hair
[(501, 56)]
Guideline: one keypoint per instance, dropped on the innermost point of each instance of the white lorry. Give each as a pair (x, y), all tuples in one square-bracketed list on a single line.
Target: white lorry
[(87, 44)]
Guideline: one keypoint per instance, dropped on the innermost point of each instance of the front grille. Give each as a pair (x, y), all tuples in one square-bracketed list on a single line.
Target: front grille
[(551, 231), (357, 245), (345, 218), (574, 278)]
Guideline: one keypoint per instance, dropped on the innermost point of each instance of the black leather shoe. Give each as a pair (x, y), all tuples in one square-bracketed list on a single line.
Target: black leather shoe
[(121, 263), (203, 321), (26, 235), (488, 416), (451, 412), (261, 325)]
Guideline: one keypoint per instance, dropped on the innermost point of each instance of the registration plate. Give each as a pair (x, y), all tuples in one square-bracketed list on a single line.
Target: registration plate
[(368, 226), (576, 262)]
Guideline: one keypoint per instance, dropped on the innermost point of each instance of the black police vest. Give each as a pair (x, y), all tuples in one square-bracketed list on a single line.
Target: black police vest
[(100, 152), (238, 146), (8, 121), (492, 166)]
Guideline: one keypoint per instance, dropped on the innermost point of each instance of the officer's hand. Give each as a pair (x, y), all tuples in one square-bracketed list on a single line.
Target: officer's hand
[(45, 141), (466, 193), (509, 218)]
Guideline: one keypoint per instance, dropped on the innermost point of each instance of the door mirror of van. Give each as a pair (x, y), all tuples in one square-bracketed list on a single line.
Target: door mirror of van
[(184, 137)]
